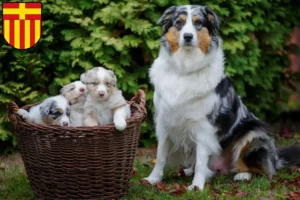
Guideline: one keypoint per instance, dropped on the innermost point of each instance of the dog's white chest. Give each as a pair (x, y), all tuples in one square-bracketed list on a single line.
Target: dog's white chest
[(104, 116), (76, 116)]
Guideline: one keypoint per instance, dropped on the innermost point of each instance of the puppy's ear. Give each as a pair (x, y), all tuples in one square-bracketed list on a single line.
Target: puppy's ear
[(166, 18), (66, 88), (213, 20), (46, 106), (113, 76), (83, 78)]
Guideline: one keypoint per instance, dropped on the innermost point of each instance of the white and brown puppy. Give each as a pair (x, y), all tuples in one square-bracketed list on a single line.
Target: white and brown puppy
[(105, 103), (53, 110), (75, 93)]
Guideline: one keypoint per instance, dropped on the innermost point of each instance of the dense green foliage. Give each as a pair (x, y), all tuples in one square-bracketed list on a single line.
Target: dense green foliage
[(123, 36)]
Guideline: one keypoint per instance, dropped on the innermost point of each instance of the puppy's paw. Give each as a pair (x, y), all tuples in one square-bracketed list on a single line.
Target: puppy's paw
[(151, 180), (242, 176), (24, 114), (120, 124)]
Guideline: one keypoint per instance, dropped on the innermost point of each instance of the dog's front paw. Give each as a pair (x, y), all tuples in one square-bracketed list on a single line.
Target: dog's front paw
[(151, 180), (24, 114), (120, 124), (242, 176)]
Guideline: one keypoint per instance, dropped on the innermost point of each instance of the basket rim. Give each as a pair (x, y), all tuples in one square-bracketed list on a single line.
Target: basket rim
[(137, 102), (132, 119)]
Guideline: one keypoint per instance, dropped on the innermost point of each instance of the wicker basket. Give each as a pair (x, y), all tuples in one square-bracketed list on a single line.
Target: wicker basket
[(81, 162)]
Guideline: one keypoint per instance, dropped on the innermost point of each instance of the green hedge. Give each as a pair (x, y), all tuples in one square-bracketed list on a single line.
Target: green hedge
[(123, 36)]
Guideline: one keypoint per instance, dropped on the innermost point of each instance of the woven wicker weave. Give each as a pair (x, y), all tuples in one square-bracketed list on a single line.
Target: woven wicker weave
[(81, 162)]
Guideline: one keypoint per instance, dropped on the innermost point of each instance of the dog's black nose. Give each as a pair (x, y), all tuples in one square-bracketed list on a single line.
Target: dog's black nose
[(188, 37)]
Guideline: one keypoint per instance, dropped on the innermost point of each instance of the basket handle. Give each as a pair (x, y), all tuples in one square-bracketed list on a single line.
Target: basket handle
[(139, 100), (12, 111)]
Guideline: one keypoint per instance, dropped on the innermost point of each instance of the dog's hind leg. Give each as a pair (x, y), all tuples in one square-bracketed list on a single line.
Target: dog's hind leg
[(161, 158), (258, 157)]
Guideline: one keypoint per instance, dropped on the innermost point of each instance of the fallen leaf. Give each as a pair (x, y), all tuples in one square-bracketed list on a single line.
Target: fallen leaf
[(133, 172), (175, 192), (295, 195), (214, 192), (271, 196), (229, 194), (153, 161), (242, 194), (287, 133), (176, 186), (145, 182), (185, 187), (160, 186)]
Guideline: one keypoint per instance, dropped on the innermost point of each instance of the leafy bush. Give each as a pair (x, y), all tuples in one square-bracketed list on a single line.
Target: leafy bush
[(123, 36)]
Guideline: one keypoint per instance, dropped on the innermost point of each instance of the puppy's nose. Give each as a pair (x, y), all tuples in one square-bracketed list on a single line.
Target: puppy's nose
[(65, 123), (101, 94), (188, 37), (81, 89)]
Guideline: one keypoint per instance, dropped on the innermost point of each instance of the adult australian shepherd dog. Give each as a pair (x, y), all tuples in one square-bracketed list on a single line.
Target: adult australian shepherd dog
[(201, 123)]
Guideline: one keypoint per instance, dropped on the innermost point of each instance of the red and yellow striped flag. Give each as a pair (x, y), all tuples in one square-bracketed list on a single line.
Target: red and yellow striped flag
[(22, 24)]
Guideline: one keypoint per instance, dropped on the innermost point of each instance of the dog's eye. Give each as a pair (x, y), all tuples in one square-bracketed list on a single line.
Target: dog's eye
[(108, 84), (94, 83), (72, 89), (179, 22), (198, 24)]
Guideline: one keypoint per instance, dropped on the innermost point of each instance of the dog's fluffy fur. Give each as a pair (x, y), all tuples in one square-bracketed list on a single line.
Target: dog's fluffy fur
[(200, 121), (75, 93), (105, 103), (54, 110)]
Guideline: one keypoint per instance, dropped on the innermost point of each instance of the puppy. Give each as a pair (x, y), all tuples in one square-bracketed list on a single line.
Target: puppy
[(201, 122), (105, 103), (75, 93), (53, 110)]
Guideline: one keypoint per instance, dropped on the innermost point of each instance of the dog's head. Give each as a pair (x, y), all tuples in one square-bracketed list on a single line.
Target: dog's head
[(189, 27), (55, 110), (100, 82), (74, 92)]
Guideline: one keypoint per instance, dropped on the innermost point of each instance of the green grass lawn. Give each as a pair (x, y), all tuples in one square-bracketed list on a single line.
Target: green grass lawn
[(14, 185), (285, 185)]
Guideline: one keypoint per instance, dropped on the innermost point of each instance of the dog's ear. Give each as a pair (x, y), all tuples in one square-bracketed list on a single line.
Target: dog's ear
[(83, 78), (166, 18), (113, 76), (46, 106), (66, 88), (212, 19)]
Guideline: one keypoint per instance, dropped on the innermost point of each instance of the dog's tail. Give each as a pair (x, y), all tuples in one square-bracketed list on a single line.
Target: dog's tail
[(288, 156)]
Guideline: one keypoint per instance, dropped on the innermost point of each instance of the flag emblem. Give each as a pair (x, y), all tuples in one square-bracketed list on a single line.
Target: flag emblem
[(22, 24)]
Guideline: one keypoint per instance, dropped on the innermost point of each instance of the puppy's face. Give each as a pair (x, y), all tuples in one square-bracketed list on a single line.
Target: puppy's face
[(74, 92), (189, 27), (100, 82), (56, 110)]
